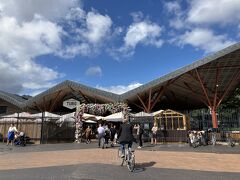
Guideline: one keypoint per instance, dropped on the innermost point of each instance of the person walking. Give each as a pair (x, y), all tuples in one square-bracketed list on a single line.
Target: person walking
[(139, 135), (113, 132), (107, 135), (101, 133), (88, 133), (11, 132), (154, 134)]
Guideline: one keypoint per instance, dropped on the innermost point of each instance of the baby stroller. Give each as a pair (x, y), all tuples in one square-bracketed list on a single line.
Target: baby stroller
[(20, 140)]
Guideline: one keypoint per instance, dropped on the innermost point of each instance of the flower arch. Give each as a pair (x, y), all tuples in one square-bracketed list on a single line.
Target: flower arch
[(97, 109)]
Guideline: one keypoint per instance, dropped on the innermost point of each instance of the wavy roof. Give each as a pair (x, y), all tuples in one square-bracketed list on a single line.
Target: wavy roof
[(228, 59)]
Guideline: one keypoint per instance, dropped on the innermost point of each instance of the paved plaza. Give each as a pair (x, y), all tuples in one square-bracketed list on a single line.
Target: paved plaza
[(85, 161)]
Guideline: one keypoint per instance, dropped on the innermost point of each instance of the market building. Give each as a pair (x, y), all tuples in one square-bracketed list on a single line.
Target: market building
[(205, 83)]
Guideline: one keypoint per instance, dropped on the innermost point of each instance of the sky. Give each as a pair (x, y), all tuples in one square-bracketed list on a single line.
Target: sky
[(111, 45)]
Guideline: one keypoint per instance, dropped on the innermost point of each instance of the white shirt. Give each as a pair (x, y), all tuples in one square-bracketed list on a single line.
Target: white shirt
[(154, 129), (12, 129), (100, 130)]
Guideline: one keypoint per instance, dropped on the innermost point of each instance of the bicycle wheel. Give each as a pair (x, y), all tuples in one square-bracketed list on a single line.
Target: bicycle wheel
[(231, 142), (121, 159), (131, 161)]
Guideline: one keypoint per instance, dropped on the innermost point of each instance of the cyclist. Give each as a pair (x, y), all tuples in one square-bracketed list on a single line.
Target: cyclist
[(125, 135)]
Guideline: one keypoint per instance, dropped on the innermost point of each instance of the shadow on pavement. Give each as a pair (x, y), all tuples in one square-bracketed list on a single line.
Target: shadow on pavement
[(142, 166)]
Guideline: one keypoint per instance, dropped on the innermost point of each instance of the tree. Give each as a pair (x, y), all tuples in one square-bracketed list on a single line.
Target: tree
[(233, 101)]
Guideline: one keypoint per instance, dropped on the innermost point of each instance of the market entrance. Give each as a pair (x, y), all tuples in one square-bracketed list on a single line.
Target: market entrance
[(96, 109)]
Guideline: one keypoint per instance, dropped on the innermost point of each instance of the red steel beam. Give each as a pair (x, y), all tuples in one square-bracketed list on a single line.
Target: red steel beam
[(149, 100), (203, 88), (161, 91), (56, 98), (145, 108), (138, 106), (38, 107), (214, 118)]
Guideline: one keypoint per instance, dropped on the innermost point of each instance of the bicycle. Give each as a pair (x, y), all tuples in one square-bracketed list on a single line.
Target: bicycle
[(129, 158), (230, 140)]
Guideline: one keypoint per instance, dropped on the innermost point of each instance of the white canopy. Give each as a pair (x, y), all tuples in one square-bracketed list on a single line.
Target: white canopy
[(142, 114), (157, 112), (116, 117), (88, 116), (90, 121), (15, 115), (10, 117), (71, 117)]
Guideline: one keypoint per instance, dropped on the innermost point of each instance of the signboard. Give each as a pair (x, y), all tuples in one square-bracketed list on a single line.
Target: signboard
[(71, 103)]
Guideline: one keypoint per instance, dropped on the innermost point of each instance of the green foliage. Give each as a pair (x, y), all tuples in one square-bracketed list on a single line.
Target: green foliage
[(233, 101)]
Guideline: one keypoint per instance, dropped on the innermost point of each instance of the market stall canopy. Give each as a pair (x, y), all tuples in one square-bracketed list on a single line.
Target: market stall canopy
[(86, 116), (46, 115), (90, 121), (89, 116), (157, 112), (116, 117), (70, 117), (142, 114), (10, 117), (99, 117)]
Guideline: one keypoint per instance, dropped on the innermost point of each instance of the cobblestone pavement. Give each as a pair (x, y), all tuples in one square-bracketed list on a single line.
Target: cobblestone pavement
[(89, 162)]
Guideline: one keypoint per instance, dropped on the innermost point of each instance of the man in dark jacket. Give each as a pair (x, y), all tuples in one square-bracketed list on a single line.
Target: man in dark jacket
[(113, 132), (125, 135)]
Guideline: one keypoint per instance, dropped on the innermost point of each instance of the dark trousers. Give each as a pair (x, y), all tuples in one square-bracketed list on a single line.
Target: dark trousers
[(140, 140)]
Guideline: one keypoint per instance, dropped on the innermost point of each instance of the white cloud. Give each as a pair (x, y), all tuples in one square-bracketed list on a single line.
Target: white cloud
[(98, 27), (72, 50), (172, 7), (34, 93), (94, 71), (137, 16), (120, 89), (176, 23), (20, 44), (143, 32), (89, 32), (192, 25), (205, 39), (214, 11), (25, 10)]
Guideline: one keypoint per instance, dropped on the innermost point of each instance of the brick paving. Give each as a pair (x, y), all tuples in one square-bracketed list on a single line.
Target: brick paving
[(201, 161)]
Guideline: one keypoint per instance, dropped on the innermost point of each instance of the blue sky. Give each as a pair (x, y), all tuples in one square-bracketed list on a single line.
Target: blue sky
[(111, 45)]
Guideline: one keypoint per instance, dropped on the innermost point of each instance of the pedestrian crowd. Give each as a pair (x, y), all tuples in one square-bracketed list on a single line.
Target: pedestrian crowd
[(107, 134)]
